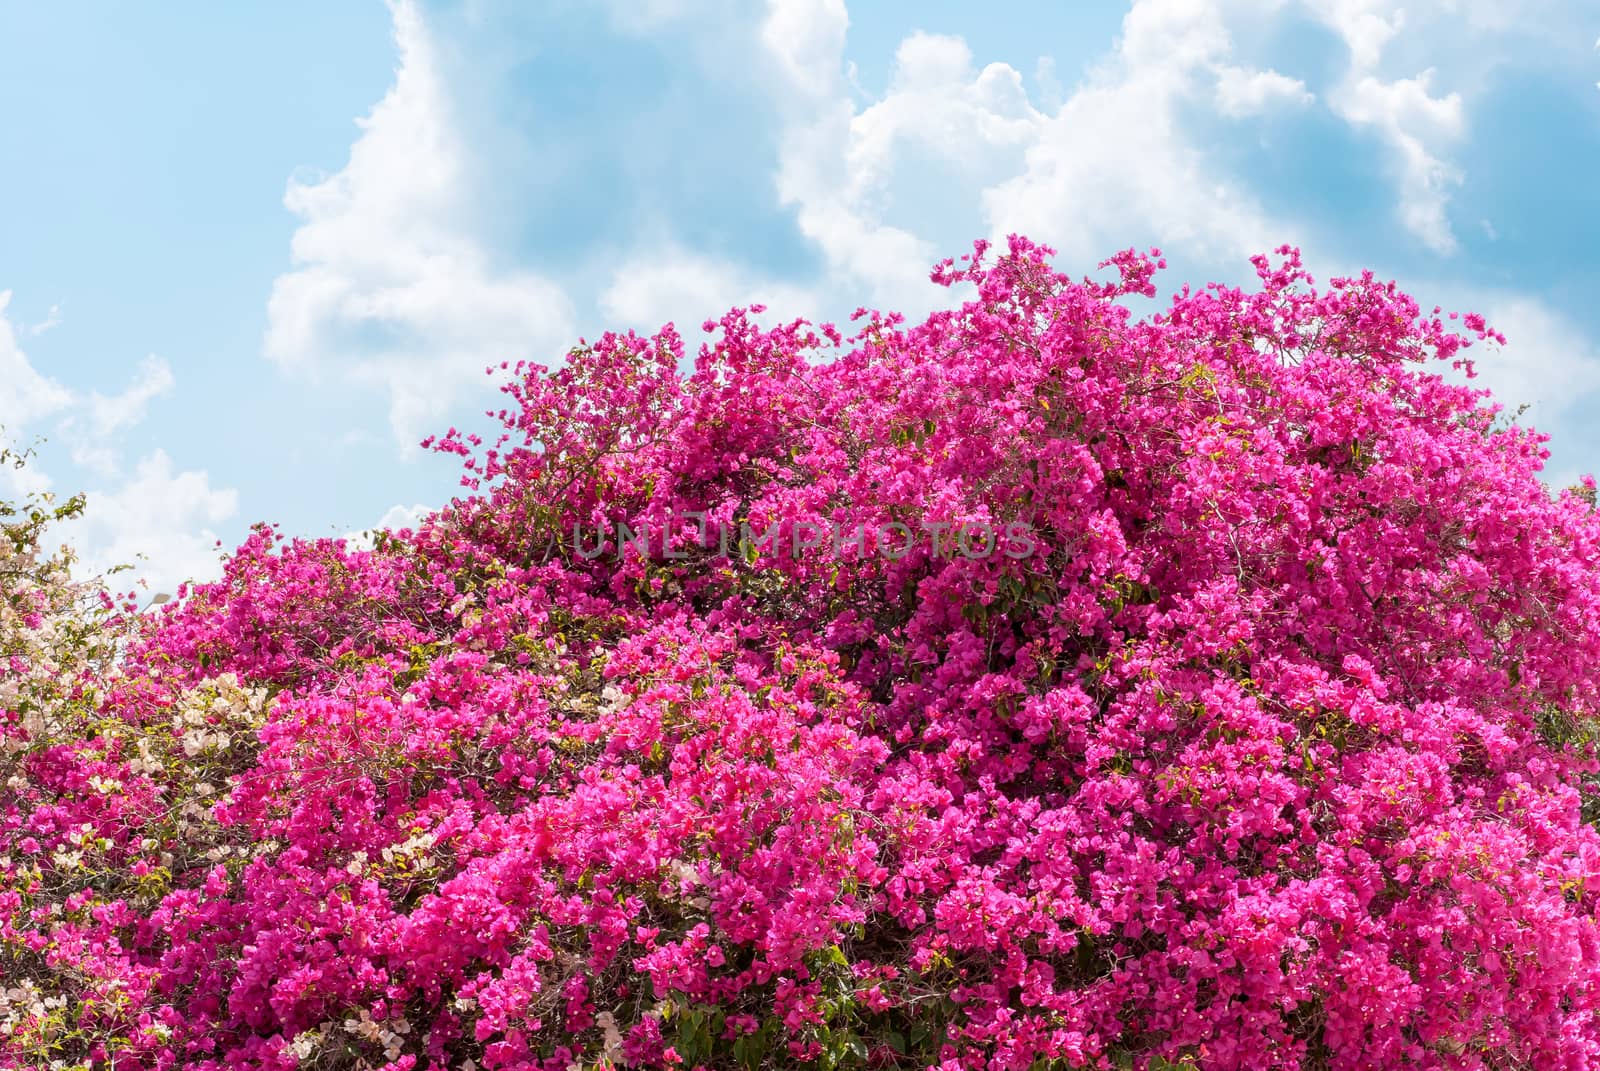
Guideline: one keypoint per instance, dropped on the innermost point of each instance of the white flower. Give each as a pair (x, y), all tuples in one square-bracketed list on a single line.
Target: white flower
[(305, 1043)]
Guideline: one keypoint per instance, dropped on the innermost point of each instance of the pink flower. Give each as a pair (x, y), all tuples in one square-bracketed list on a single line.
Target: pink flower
[(1269, 751)]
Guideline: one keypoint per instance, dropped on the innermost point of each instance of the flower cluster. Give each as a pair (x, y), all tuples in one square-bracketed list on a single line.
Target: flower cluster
[(1276, 751)]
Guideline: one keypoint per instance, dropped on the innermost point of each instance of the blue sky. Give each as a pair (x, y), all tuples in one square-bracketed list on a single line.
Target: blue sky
[(252, 253)]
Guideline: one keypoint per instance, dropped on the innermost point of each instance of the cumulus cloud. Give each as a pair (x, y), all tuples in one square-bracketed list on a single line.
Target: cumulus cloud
[(29, 396), (806, 38), (1114, 158), (939, 102), (393, 284), (1242, 92), (159, 520), (1416, 126), (1365, 25), (393, 519), (644, 16), (1548, 362), (404, 516), (1118, 159), (89, 424), (98, 419), (1412, 122), (156, 518), (671, 283), (28, 399), (1549, 369), (1122, 153)]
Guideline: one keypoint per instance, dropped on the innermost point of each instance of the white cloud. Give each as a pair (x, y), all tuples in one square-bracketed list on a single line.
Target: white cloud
[(938, 102), (1116, 158), (28, 396), (393, 286), (806, 37), (1176, 36), (1122, 153), (1548, 363), (157, 519), (670, 283), (93, 434), (1242, 92), (840, 170), (404, 516), (156, 513), (394, 519), (1416, 126), (639, 17), (1365, 25), (1551, 21), (19, 483), (1413, 123), (51, 319)]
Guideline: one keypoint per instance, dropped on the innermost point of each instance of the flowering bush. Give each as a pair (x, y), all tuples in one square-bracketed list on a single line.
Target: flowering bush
[(1264, 738)]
